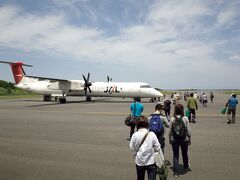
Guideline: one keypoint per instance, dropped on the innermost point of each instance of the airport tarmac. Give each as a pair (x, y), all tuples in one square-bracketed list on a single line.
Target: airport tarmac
[(87, 141)]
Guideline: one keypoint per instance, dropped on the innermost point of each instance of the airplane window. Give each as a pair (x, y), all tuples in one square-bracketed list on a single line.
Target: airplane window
[(145, 86)]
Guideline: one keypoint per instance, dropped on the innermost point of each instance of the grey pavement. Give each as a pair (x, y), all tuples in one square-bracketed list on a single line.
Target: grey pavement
[(87, 141)]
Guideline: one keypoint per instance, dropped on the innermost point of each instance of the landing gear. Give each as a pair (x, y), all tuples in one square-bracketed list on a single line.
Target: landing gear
[(88, 99), (62, 100), (47, 98), (153, 100)]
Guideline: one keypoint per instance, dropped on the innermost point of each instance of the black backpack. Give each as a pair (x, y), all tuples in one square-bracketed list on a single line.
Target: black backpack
[(179, 130)]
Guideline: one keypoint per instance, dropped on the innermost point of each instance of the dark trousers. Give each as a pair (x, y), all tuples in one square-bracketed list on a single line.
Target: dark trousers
[(167, 112), (211, 99), (184, 148), (192, 114), (161, 140), (151, 170), (233, 112), (132, 129)]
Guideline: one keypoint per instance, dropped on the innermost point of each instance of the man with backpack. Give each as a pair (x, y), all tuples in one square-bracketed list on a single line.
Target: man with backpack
[(157, 124), (179, 136)]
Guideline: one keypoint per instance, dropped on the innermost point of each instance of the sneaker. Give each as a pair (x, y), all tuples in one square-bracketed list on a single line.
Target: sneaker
[(229, 122), (187, 169), (176, 175)]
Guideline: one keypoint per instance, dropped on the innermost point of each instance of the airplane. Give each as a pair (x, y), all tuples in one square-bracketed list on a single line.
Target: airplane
[(61, 88)]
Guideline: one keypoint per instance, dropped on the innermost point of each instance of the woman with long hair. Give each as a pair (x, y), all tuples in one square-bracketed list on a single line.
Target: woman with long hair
[(179, 137)]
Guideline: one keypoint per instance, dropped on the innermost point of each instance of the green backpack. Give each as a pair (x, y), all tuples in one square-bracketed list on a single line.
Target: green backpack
[(179, 130)]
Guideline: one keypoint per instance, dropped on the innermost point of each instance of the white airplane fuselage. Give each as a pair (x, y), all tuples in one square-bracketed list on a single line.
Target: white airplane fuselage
[(98, 89)]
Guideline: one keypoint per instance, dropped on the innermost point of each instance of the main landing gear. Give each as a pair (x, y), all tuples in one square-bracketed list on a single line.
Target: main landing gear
[(88, 98), (153, 100), (62, 99)]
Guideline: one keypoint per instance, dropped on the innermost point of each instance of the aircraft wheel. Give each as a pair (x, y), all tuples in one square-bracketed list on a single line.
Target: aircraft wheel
[(62, 100), (88, 99)]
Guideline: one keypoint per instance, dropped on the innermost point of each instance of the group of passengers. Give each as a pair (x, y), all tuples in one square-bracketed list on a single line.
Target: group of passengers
[(152, 132), (150, 135)]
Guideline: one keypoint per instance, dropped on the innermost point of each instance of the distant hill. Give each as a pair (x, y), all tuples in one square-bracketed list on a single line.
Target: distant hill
[(8, 88)]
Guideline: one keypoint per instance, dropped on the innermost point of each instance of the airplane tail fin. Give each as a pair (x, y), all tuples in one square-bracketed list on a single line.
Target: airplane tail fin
[(17, 70)]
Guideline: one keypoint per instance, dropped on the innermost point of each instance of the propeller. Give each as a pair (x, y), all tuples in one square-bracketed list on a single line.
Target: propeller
[(109, 79), (87, 83)]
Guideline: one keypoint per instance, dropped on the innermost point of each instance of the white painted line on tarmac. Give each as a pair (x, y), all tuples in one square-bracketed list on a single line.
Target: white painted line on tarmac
[(98, 113)]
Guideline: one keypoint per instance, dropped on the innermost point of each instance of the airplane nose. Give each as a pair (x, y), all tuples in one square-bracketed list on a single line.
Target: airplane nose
[(157, 93), (160, 94)]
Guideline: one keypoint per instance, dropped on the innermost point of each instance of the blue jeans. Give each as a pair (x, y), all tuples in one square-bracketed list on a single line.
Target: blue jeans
[(151, 170)]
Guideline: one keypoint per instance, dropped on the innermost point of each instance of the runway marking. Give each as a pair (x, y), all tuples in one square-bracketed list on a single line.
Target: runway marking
[(100, 113)]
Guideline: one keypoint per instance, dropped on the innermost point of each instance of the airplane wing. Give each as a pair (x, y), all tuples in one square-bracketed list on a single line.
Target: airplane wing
[(46, 78), (60, 84)]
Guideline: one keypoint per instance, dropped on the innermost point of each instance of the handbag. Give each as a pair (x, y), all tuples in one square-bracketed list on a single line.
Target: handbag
[(223, 111), (163, 172), (128, 120), (131, 119), (162, 169), (187, 112)]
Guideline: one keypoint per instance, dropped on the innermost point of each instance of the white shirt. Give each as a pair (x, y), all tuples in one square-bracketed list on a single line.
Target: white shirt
[(195, 96), (145, 154)]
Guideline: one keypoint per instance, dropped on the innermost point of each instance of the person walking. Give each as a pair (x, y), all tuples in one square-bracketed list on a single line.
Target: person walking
[(136, 110), (196, 95), (204, 100), (167, 107), (179, 136), (231, 105), (158, 124), (144, 144), (211, 96), (192, 106)]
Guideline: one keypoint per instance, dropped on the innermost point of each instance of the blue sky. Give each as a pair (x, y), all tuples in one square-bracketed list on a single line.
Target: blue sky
[(169, 44)]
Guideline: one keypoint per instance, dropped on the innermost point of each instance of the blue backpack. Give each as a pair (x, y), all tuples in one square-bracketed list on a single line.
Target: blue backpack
[(155, 124)]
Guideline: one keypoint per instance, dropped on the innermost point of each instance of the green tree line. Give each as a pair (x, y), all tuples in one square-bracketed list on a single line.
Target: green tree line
[(8, 88)]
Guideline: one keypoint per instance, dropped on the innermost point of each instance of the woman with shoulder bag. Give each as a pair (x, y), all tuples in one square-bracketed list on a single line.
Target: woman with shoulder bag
[(144, 144)]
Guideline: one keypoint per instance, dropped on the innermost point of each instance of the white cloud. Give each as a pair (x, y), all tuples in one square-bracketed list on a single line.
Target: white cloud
[(229, 14), (176, 12), (235, 57)]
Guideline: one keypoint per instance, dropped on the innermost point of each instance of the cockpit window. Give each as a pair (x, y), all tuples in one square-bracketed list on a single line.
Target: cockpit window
[(145, 86)]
